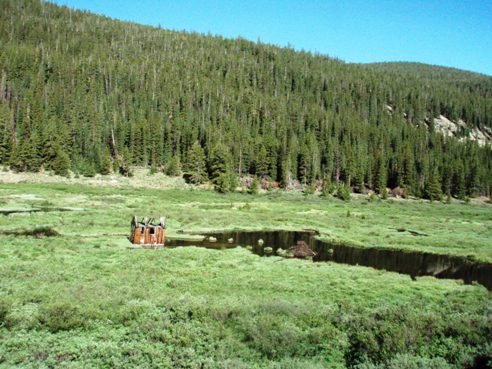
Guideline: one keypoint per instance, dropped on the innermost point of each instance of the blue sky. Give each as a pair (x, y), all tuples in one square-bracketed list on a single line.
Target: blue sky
[(447, 32)]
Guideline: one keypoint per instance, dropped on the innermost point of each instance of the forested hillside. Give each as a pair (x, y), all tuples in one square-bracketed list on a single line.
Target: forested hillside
[(426, 71), (89, 93)]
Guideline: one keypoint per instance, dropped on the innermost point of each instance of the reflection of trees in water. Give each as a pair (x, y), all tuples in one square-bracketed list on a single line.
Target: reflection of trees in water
[(413, 263)]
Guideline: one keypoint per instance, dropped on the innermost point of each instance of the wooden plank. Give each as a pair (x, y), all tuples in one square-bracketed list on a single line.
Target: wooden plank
[(146, 235), (137, 236)]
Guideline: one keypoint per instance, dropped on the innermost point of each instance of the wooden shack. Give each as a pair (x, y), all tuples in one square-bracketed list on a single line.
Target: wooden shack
[(148, 234)]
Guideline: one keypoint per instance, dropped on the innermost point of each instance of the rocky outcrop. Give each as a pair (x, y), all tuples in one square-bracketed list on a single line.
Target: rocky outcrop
[(459, 130)]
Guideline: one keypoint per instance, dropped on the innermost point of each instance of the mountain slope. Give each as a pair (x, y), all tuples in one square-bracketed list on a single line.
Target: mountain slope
[(427, 71), (83, 91)]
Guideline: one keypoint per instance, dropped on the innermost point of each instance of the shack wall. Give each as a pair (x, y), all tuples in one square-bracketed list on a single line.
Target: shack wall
[(148, 238)]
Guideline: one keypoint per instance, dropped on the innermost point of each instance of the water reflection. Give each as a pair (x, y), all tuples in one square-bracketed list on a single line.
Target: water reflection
[(413, 263)]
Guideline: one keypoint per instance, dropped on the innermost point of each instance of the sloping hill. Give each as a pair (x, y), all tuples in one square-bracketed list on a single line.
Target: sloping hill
[(87, 92), (427, 71)]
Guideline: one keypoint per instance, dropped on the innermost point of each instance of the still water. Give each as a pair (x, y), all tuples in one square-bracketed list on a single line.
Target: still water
[(413, 263)]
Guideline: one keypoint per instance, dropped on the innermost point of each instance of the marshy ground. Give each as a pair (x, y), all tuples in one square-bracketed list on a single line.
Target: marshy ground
[(78, 296)]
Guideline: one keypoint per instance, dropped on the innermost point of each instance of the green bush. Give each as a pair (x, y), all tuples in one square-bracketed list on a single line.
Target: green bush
[(278, 332), (61, 316), (409, 361), (379, 337), (4, 310), (273, 336), (310, 189), (23, 316), (384, 195), (296, 363), (152, 170), (343, 192), (373, 197)]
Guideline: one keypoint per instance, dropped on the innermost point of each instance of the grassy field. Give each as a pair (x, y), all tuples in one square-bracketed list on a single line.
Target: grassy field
[(454, 229), (85, 299)]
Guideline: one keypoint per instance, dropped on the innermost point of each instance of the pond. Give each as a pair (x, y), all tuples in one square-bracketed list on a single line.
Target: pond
[(413, 263)]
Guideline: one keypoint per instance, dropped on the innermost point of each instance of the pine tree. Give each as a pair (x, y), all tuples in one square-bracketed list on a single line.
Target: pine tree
[(433, 187), (380, 175), (460, 183), (328, 188), (106, 164), (222, 184), (4, 151), (5, 141), (473, 179), (359, 181), (408, 171), (196, 166), (255, 186), (153, 168), (61, 163), (125, 163), (26, 158), (218, 163), (303, 166), (343, 192), (86, 168), (447, 180), (173, 166), (262, 162), (233, 181)]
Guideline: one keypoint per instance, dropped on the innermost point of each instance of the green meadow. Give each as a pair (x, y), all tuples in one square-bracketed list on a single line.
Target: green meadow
[(454, 229), (84, 298)]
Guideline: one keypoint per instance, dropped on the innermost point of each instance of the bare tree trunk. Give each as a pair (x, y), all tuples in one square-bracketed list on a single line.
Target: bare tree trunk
[(114, 149)]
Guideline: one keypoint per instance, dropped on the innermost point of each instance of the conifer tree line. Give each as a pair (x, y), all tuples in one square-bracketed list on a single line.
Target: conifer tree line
[(89, 94)]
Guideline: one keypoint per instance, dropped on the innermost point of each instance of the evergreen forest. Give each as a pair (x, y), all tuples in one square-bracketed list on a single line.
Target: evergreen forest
[(85, 93)]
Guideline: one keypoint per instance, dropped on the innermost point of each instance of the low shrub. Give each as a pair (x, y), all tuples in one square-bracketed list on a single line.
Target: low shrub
[(409, 361), (4, 310), (61, 316)]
